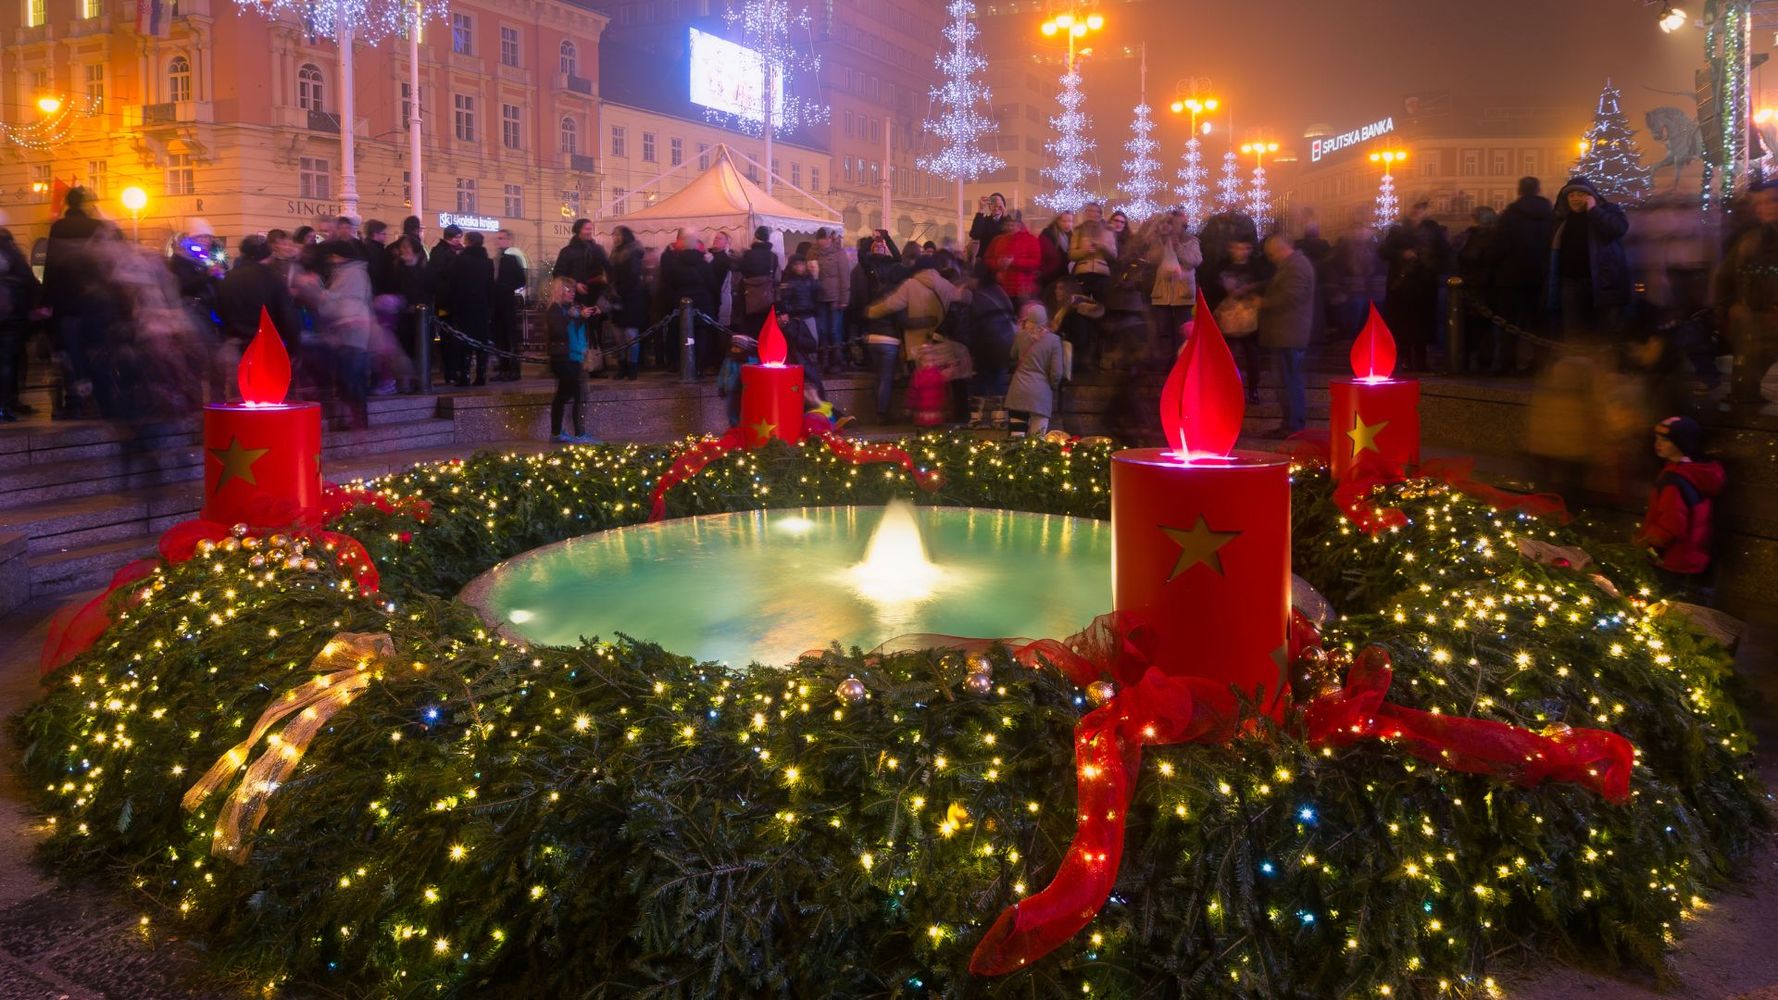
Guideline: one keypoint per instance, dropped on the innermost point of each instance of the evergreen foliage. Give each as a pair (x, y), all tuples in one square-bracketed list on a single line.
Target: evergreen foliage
[(1611, 159), (615, 820)]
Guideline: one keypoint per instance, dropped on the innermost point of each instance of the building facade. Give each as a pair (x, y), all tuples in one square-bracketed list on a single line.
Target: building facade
[(649, 154), (1458, 159), (234, 118)]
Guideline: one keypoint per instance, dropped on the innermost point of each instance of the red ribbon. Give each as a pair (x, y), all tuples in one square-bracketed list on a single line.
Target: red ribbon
[(1158, 708)]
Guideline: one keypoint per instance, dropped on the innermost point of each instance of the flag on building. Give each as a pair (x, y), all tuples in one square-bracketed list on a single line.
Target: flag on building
[(58, 197), (153, 18)]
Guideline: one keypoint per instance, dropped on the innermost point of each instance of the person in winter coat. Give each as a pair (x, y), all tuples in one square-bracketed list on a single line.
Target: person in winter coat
[(1589, 275), (1055, 244), (1479, 252), (630, 296), (411, 285), (565, 339), (509, 283), (684, 273), (1355, 280), (468, 295), (1417, 250), (583, 262), (250, 286), (344, 320), (836, 290), (992, 327), (1746, 297), (1526, 227), (922, 300), (1286, 320), (988, 224), (18, 297), (797, 302), (1172, 255), (1676, 529), (759, 280), (1039, 358), (1015, 256)]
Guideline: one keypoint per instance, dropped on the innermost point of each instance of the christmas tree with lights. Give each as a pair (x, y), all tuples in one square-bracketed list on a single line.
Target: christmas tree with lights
[(1140, 182), (1228, 186), (1069, 169), (962, 123), (1611, 159), (1192, 188)]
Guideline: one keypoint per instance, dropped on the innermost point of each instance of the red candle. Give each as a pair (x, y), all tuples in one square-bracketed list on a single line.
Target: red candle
[(262, 456), (1375, 418), (1201, 533), (772, 391)]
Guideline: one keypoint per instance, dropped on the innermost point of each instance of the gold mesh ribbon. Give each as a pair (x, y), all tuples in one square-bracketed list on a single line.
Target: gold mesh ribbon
[(349, 659)]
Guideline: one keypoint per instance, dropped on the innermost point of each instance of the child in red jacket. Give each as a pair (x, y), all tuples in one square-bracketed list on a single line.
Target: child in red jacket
[(1676, 529)]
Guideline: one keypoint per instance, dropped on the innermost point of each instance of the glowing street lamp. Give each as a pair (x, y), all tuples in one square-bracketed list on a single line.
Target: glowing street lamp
[(49, 104), (1072, 146), (1387, 203), (135, 199), (1193, 186), (1259, 198), (1671, 18)]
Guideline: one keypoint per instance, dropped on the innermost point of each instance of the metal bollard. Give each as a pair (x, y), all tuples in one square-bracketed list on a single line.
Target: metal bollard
[(1456, 352), (423, 348), (688, 343)]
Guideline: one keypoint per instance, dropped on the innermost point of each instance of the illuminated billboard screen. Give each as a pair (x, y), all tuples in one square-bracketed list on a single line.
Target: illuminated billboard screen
[(729, 78)]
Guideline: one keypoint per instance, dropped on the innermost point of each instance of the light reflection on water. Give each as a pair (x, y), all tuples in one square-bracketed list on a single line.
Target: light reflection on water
[(768, 585)]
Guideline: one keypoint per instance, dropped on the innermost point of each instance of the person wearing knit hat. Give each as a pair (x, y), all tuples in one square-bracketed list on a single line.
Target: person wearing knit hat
[(1589, 276), (1676, 528)]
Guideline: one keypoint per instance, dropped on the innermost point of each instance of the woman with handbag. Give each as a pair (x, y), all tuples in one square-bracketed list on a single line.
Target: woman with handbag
[(1240, 286), (1174, 291), (565, 326), (759, 280)]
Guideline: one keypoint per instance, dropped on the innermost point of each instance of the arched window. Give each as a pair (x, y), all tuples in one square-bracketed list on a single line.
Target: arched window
[(570, 59), (308, 87), (570, 136), (179, 79)]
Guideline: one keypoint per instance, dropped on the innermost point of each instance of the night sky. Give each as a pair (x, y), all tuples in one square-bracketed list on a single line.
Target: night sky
[(1284, 64)]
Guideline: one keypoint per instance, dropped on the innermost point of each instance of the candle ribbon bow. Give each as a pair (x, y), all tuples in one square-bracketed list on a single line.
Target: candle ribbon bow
[(1155, 708)]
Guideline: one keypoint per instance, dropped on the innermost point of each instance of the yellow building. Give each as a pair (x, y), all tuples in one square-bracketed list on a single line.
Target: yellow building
[(232, 117)]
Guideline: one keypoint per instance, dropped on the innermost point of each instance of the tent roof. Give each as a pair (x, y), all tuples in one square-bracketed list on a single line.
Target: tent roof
[(720, 198)]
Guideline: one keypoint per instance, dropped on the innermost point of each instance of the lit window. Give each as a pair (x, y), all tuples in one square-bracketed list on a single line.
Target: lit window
[(91, 8), (515, 201), (509, 46), (95, 84), (509, 126), (464, 106), (313, 178), (463, 34), (36, 13), (308, 87), (179, 79), (569, 62), (181, 175), (466, 195)]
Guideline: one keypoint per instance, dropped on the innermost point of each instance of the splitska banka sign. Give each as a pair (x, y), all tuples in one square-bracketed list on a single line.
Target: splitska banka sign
[(1334, 143)]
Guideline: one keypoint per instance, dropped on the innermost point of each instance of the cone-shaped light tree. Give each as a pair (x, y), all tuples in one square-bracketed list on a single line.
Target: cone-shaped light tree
[(1609, 155), (962, 102)]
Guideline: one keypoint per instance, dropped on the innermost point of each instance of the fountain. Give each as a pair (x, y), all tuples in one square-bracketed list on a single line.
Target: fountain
[(767, 586)]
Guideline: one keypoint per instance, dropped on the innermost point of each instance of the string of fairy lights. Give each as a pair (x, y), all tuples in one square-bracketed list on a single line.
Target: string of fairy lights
[(929, 779)]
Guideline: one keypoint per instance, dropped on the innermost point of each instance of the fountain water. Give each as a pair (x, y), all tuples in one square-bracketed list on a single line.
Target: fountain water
[(895, 569)]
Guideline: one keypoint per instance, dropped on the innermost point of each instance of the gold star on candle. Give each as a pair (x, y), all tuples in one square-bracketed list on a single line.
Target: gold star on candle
[(237, 462), (763, 430), (1364, 436), (1199, 545)]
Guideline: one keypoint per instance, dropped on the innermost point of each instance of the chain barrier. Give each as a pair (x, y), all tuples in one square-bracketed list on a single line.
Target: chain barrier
[(605, 353), (1475, 305)]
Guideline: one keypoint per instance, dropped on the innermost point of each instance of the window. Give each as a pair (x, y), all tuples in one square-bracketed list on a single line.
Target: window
[(1471, 162), (308, 87), (181, 177), (407, 187), (463, 34), (466, 195), (39, 81), (675, 151), (36, 13), (570, 136), (703, 156), (509, 46), (1429, 164), (179, 79), (407, 105), (465, 116), (815, 178), (620, 143), (312, 178), (648, 147), (848, 162), (571, 204), (95, 84), (40, 182), (848, 120), (509, 126), (514, 201), (876, 173), (876, 130), (568, 62), (97, 176), (91, 8), (617, 197), (1528, 163), (796, 175)]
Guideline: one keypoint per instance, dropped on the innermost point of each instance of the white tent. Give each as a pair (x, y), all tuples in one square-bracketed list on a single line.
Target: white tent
[(721, 200)]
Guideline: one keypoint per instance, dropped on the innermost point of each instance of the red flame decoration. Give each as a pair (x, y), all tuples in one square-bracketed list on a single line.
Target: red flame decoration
[(1373, 353), (772, 349), (1202, 404), (265, 365)]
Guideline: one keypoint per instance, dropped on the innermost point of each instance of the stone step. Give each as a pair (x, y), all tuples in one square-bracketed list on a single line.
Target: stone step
[(88, 567)]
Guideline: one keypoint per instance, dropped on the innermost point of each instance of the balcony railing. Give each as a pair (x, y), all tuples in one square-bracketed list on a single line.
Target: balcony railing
[(582, 163), (323, 121)]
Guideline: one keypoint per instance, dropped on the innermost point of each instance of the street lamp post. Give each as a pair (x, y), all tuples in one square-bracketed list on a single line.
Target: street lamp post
[(1192, 188), (1259, 199), (1388, 205), (1071, 145)]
